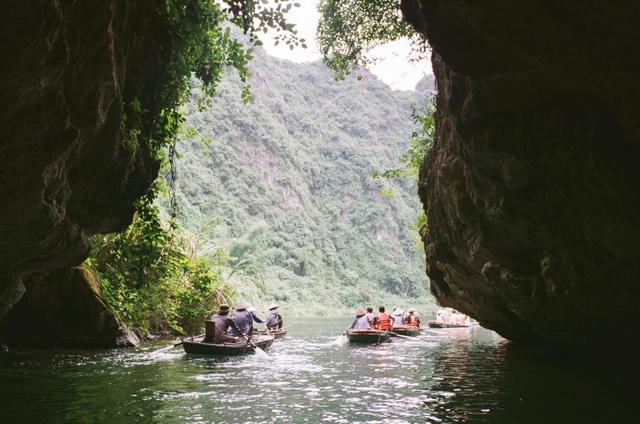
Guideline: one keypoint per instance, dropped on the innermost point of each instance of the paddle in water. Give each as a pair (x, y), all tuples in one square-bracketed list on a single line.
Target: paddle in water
[(255, 348), (167, 348), (402, 336)]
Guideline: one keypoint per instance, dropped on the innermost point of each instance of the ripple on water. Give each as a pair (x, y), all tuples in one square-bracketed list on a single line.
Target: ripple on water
[(444, 376)]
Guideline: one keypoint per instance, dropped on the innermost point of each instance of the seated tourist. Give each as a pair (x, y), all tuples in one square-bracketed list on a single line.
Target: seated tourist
[(361, 322)]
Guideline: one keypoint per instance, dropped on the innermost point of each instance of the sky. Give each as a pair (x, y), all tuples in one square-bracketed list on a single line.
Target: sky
[(393, 65)]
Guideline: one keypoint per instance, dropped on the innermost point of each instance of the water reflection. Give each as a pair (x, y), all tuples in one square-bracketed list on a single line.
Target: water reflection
[(453, 375)]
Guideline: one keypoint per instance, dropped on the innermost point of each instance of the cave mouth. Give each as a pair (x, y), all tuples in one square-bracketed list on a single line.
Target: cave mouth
[(530, 187)]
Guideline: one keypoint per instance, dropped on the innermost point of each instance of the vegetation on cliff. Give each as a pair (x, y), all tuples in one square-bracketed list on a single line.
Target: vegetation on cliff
[(277, 196), (149, 277), (286, 185)]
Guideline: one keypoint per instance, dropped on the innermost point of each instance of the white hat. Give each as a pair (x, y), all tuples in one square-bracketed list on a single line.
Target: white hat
[(398, 311), (360, 312), (273, 306), (243, 304)]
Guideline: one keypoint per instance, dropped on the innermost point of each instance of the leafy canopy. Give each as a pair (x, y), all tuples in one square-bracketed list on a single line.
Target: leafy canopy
[(349, 29), (148, 274)]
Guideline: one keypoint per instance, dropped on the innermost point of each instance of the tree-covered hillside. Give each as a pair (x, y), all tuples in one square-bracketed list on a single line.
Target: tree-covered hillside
[(285, 185)]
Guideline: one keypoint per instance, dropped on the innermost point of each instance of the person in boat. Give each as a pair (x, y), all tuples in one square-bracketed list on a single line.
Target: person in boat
[(243, 319), (443, 316), (255, 316), (383, 321), (370, 316), (398, 317), (274, 318), (412, 319), (223, 323), (361, 322)]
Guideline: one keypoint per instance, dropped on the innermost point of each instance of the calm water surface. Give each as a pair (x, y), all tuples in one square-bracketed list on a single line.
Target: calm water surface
[(313, 375)]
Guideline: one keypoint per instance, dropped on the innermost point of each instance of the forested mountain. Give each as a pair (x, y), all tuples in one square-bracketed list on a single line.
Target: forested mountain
[(285, 185)]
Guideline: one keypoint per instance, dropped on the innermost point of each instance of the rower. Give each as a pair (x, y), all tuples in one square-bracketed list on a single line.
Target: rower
[(243, 319), (398, 317), (274, 319), (383, 321), (412, 318), (255, 316), (222, 323), (361, 322), (370, 316)]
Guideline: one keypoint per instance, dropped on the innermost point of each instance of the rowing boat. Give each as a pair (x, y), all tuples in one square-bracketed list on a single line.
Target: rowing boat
[(367, 336), (197, 346), (406, 331), (278, 334), (440, 324)]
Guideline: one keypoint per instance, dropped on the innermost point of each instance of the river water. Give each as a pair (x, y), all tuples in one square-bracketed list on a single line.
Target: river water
[(313, 375)]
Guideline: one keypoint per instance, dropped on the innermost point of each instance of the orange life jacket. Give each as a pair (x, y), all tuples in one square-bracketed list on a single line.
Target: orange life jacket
[(413, 321), (384, 321)]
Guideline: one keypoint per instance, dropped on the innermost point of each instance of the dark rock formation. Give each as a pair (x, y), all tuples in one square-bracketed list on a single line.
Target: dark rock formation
[(63, 308), (532, 187), (67, 72)]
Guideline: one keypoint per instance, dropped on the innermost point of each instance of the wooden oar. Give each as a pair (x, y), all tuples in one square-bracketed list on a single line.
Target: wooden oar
[(164, 349), (255, 348), (402, 336)]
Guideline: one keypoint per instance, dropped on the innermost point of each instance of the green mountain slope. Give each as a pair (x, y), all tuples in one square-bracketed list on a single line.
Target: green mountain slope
[(285, 184)]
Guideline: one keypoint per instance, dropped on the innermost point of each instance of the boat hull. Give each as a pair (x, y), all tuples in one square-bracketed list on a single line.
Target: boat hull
[(277, 334), (438, 324), (367, 336), (197, 347), (406, 331)]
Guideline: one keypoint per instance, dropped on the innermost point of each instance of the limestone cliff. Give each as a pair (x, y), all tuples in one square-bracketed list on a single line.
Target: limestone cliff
[(531, 188), (68, 71)]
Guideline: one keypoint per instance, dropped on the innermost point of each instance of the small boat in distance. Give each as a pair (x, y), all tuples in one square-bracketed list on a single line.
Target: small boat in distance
[(367, 336), (197, 346), (406, 331), (278, 334), (440, 324)]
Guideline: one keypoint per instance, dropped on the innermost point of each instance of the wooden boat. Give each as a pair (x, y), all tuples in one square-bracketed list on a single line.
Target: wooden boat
[(197, 346), (440, 324), (406, 331), (367, 336), (278, 334)]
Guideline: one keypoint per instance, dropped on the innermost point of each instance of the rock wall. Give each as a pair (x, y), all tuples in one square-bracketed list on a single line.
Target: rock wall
[(64, 308), (68, 69), (531, 188)]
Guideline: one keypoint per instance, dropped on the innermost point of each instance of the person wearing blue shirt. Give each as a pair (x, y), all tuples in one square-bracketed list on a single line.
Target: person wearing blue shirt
[(274, 318), (244, 318), (361, 322)]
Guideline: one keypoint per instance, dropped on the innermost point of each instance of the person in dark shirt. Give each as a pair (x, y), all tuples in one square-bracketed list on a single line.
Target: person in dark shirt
[(274, 319), (223, 323), (243, 319)]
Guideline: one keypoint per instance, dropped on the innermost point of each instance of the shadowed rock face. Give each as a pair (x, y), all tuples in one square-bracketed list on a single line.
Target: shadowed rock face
[(63, 308), (532, 187), (67, 72)]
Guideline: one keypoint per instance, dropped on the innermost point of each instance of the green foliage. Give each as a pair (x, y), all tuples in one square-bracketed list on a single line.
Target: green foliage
[(288, 179), (147, 276), (418, 148), (349, 29), (418, 145), (152, 280)]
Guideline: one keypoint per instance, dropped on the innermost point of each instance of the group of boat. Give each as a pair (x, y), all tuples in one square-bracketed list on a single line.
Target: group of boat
[(263, 339)]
